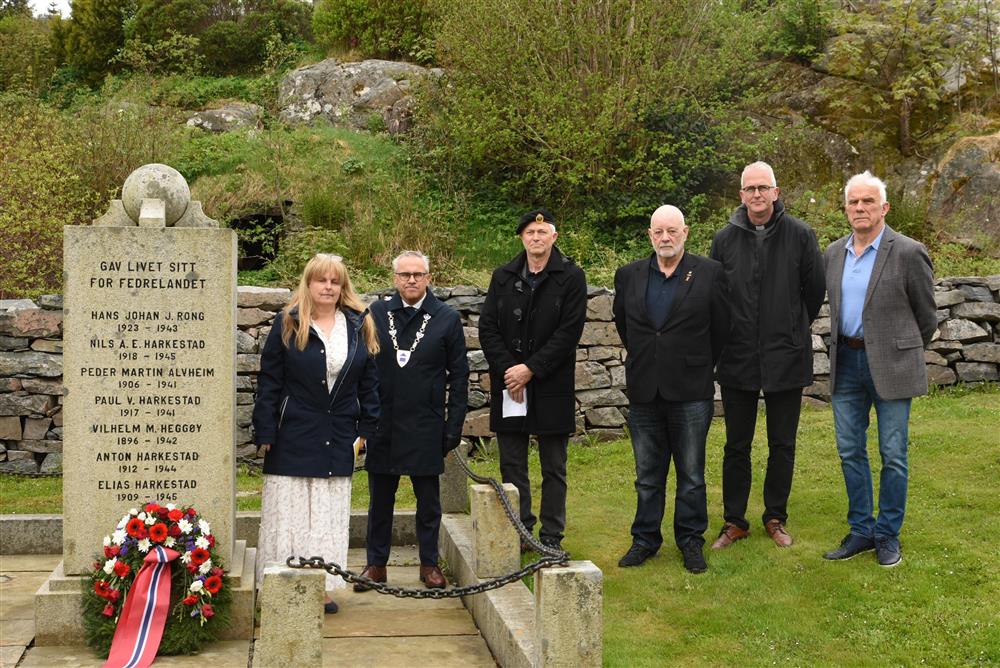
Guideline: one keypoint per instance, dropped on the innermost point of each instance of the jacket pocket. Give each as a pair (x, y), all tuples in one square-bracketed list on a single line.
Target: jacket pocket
[(909, 342)]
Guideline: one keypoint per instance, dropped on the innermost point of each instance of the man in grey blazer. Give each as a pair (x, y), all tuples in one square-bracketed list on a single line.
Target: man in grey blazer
[(882, 313)]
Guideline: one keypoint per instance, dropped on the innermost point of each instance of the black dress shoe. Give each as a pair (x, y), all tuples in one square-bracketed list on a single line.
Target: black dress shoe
[(552, 543), (694, 558), (330, 608), (850, 547), (635, 555), (887, 551)]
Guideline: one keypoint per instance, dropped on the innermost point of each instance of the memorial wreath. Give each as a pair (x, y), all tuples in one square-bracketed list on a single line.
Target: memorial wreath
[(192, 602)]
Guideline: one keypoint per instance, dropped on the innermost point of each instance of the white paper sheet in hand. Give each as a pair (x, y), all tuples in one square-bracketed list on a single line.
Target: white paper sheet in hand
[(513, 408)]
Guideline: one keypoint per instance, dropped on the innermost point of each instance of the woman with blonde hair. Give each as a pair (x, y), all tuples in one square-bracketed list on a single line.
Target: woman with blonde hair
[(317, 403)]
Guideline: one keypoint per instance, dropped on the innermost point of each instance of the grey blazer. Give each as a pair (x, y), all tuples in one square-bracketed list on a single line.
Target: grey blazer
[(899, 314)]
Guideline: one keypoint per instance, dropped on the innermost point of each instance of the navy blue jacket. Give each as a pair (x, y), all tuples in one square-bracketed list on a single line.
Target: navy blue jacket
[(311, 429), (419, 419)]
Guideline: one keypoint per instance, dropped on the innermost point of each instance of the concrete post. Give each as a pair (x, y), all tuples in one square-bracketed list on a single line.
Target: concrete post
[(496, 548), (291, 617), (454, 485), (569, 615)]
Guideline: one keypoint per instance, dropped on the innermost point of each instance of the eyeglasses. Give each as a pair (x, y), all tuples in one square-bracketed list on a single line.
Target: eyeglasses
[(658, 233), (750, 190), (407, 275)]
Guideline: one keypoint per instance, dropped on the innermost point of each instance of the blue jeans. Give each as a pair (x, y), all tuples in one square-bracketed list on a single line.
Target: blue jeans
[(662, 430), (853, 397)]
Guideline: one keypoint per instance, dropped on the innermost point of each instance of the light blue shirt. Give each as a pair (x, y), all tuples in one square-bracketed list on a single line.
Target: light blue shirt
[(854, 286)]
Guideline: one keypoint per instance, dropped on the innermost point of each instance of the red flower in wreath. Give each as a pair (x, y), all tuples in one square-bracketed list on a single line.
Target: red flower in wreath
[(134, 527), (108, 611), (191, 512), (217, 571), (211, 540), (175, 515), (213, 584), (111, 551), (207, 611), (152, 507), (190, 600), (102, 588), (114, 595), (199, 555), (158, 532), (192, 568), (122, 569), (174, 530)]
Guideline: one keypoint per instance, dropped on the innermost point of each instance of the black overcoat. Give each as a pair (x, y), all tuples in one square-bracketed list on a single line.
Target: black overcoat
[(677, 360), (540, 328), (776, 287), (312, 429), (423, 402)]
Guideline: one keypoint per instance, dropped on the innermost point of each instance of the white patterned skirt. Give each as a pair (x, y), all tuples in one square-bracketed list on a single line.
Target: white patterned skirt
[(304, 517)]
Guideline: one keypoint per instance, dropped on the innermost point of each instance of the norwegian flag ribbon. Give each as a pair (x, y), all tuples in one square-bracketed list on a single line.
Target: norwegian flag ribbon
[(144, 614)]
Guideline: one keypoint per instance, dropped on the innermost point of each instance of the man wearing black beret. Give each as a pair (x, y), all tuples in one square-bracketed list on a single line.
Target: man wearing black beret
[(529, 328)]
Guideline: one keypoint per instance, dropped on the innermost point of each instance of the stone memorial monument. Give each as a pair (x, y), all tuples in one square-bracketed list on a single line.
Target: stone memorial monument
[(150, 384)]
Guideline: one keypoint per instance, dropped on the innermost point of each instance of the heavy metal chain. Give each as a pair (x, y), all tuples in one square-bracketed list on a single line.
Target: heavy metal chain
[(550, 556)]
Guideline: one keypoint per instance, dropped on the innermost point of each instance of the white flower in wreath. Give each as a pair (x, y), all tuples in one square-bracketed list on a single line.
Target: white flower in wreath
[(132, 511), (184, 526), (118, 537), (186, 557), (109, 565), (201, 542), (142, 516), (170, 506), (204, 528), (170, 541), (205, 567), (123, 521), (150, 519), (196, 586), (107, 541), (144, 545)]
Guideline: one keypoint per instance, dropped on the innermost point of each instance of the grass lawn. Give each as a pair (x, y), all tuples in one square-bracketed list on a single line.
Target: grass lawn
[(758, 605)]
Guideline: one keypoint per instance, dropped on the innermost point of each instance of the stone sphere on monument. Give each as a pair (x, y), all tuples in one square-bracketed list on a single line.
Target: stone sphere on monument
[(156, 181)]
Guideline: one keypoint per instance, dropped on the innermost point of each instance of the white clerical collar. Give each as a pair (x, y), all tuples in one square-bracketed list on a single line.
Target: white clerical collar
[(417, 305)]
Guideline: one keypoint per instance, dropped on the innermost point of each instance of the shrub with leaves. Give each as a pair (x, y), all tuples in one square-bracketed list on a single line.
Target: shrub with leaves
[(376, 28)]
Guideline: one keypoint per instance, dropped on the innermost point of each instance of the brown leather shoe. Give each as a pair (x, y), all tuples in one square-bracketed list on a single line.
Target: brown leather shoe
[(432, 577), (776, 530), (374, 573), (730, 534)]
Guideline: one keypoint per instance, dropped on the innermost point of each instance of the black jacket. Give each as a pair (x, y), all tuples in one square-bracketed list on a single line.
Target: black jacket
[(541, 329), (677, 360), (312, 430), (776, 288), (423, 402)]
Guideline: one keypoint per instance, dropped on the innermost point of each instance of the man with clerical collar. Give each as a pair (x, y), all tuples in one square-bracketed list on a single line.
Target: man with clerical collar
[(882, 314), (423, 389), (529, 327), (671, 314), (775, 275)]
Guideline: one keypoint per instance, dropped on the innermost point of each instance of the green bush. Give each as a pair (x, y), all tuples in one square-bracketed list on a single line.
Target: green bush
[(26, 59), (600, 111), (802, 28), (376, 28)]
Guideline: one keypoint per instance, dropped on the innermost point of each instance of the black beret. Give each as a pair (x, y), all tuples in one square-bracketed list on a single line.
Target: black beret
[(536, 216)]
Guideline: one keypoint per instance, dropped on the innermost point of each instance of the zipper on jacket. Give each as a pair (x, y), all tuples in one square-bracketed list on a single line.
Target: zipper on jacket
[(343, 371), (281, 417)]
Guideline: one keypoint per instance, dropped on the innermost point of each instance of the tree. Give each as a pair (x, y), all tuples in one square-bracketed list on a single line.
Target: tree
[(26, 59), (93, 35), (14, 8)]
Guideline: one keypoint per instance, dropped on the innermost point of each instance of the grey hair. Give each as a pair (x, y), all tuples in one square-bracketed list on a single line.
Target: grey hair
[(762, 165), (866, 178), (411, 253)]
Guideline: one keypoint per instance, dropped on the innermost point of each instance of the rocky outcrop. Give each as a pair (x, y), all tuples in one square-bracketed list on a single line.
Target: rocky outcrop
[(229, 117), (349, 94), (965, 199)]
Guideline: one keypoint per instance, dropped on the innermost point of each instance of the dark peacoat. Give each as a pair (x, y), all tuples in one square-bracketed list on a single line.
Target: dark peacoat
[(423, 402), (776, 288), (310, 428), (677, 360), (539, 328)]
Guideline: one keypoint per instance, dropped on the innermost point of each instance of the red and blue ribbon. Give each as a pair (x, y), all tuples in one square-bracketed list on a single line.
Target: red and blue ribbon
[(144, 614)]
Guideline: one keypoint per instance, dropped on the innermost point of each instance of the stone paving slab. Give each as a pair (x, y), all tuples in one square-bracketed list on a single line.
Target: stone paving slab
[(17, 594), (225, 654), (358, 623), (455, 651), (14, 632), (9, 656), (44, 563)]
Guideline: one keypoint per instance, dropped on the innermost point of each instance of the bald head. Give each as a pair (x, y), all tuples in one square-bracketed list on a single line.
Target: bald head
[(667, 233)]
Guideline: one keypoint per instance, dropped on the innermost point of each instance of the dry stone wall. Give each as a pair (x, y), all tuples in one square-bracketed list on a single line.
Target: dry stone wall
[(966, 349)]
